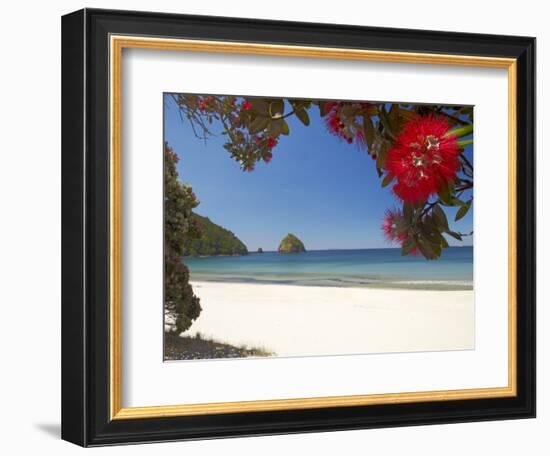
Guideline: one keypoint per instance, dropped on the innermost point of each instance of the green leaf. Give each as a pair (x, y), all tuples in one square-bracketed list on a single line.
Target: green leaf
[(440, 218), (437, 238), (456, 202), (368, 130), (445, 194), (301, 113), (408, 246), (457, 236), (258, 124), (387, 180), (438, 249), (260, 105), (347, 110), (394, 118), (299, 103), (401, 226), (463, 210), (284, 127), (408, 212), (382, 152), (406, 114), (276, 109), (277, 127), (429, 250), (465, 142), (429, 222), (385, 122), (425, 228), (461, 131)]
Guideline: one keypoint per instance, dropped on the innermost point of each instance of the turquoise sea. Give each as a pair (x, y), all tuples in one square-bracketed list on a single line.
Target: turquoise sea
[(380, 268)]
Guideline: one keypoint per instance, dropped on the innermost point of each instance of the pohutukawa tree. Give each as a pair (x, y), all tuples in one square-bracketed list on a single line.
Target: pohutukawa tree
[(181, 305), (417, 149)]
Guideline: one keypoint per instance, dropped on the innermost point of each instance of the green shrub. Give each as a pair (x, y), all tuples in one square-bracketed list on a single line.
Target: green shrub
[(181, 304)]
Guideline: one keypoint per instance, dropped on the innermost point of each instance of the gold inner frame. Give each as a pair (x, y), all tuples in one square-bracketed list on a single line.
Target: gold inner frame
[(117, 44)]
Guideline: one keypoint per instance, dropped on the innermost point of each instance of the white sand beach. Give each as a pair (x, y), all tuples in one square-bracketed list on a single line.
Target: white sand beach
[(292, 320)]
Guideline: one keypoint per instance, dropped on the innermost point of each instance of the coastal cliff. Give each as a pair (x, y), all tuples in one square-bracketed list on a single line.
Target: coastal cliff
[(212, 240)]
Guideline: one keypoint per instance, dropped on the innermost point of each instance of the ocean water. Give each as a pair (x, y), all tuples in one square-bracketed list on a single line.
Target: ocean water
[(380, 268)]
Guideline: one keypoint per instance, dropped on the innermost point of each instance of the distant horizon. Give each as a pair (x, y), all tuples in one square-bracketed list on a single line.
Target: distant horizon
[(275, 249), (348, 249)]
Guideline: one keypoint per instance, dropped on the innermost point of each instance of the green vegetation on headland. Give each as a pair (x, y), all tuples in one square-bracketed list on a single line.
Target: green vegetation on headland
[(184, 348), (291, 244), (212, 240)]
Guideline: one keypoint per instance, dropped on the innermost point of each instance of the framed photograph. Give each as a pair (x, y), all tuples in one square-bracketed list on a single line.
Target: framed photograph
[(278, 227)]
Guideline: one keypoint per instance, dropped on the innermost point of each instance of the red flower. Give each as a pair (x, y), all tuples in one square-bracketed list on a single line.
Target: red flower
[(271, 143), (343, 122), (330, 105), (246, 105), (423, 159), (391, 228), (334, 122)]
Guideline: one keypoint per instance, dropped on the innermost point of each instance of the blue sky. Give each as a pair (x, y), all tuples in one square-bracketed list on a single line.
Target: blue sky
[(318, 187)]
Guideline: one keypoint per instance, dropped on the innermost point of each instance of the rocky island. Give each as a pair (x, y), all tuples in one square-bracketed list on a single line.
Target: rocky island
[(291, 244)]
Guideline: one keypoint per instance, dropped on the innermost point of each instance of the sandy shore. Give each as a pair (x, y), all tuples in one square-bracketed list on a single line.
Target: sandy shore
[(302, 320)]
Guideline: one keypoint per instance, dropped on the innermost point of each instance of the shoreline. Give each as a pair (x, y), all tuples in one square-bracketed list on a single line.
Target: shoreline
[(318, 280), (295, 320), (368, 268)]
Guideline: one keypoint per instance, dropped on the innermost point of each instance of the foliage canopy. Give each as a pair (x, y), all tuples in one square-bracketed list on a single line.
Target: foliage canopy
[(181, 305), (418, 149)]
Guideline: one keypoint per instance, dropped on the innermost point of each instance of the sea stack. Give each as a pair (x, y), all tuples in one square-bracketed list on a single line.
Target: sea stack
[(291, 244), (260, 250)]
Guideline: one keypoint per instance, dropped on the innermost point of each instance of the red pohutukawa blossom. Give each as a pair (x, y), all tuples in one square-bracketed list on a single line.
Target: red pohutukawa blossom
[(340, 119), (271, 143), (424, 158), (390, 226), (334, 122), (246, 105), (266, 141)]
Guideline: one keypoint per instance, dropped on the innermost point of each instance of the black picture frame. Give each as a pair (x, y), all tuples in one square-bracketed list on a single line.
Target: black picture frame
[(85, 224)]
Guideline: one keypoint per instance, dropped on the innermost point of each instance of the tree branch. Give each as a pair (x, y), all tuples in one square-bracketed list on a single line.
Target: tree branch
[(456, 119)]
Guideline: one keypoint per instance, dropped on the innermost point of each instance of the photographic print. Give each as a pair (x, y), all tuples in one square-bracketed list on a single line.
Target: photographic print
[(254, 201), (308, 227)]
